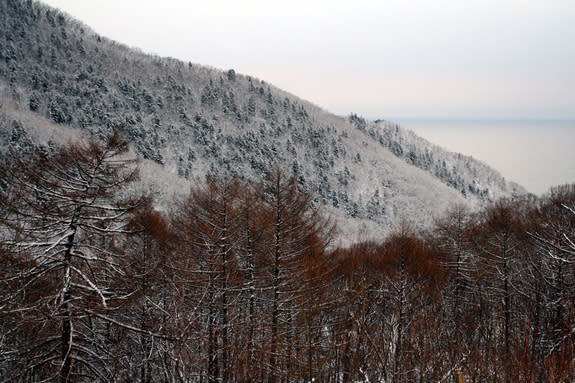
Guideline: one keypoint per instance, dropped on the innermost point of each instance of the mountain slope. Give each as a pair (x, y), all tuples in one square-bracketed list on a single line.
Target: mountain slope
[(474, 179), (60, 79)]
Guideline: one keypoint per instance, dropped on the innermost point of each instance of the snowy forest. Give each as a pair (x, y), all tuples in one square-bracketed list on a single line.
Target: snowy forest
[(163, 221), (59, 79), (241, 282)]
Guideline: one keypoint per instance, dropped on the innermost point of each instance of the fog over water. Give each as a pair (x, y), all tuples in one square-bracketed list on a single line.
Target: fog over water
[(537, 154)]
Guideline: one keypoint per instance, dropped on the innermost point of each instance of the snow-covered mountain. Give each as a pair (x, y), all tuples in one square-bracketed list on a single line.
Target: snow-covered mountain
[(59, 80)]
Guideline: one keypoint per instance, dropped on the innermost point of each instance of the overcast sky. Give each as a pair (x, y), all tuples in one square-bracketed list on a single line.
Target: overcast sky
[(390, 59)]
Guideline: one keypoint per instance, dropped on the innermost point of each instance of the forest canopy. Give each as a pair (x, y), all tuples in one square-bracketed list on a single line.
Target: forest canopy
[(242, 282)]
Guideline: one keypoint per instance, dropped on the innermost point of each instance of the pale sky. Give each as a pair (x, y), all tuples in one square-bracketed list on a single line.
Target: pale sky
[(380, 59)]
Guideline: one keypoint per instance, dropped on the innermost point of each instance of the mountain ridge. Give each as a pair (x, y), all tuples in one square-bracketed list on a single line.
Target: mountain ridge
[(193, 120)]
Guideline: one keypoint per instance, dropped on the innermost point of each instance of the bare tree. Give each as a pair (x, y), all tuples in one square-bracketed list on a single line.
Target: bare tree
[(65, 216), (553, 233), (296, 231)]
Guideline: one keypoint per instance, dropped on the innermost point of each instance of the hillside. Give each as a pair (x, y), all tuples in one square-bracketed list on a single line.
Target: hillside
[(59, 79)]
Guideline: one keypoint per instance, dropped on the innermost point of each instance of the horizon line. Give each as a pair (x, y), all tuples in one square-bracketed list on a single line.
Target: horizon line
[(398, 119)]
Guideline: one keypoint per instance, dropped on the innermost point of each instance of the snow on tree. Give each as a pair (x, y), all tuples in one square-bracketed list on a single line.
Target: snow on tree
[(64, 219)]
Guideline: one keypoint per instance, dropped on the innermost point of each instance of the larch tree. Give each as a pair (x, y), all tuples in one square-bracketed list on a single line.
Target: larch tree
[(553, 235), (413, 273), (295, 233), (208, 221), (451, 237), (64, 217), (360, 293), (155, 308), (252, 250), (498, 238)]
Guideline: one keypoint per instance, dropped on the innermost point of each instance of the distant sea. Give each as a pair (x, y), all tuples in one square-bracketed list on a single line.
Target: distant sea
[(536, 154)]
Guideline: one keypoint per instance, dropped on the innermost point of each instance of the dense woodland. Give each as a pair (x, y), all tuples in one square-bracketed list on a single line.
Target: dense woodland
[(241, 282), (242, 279), (59, 78)]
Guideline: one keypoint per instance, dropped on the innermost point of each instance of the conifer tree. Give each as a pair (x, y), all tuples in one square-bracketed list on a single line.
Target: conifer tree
[(64, 218)]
